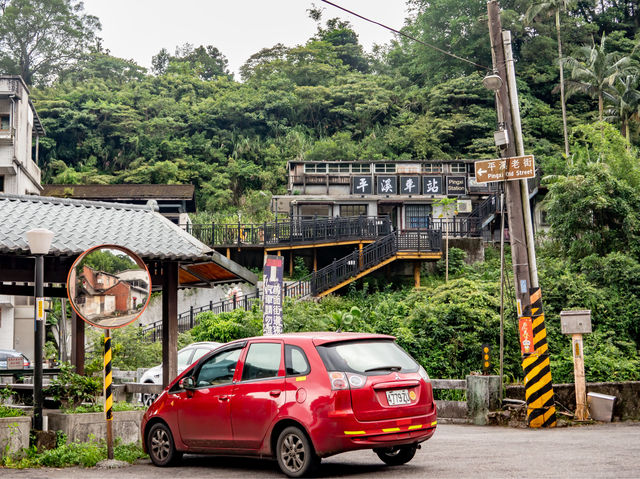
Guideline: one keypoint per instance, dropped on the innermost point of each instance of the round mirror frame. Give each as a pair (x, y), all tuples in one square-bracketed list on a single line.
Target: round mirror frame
[(71, 276)]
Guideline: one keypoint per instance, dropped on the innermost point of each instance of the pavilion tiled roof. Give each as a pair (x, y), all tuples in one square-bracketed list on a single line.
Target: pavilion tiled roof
[(79, 225)]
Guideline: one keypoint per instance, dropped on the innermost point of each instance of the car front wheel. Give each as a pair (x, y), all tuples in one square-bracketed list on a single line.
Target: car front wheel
[(161, 447), (395, 456), (295, 453)]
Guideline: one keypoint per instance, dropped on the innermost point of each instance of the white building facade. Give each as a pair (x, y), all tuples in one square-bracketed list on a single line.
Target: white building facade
[(20, 130)]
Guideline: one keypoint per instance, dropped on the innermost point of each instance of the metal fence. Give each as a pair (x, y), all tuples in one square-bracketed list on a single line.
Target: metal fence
[(295, 230)]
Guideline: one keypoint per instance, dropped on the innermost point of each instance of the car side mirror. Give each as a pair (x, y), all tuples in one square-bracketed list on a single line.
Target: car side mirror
[(187, 383)]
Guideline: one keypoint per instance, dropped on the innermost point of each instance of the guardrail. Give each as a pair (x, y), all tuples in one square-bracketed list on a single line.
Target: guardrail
[(295, 230), (188, 319)]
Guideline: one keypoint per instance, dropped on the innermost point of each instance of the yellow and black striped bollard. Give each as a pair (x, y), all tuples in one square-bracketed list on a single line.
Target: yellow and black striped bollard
[(541, 410), (108, 396)]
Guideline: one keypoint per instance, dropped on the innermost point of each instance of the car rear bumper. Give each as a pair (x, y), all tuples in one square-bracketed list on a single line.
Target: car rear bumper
[(350, 434)]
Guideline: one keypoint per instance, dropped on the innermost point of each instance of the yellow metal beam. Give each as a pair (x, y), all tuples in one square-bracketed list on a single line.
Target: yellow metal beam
[(417, 255), (315, 245)]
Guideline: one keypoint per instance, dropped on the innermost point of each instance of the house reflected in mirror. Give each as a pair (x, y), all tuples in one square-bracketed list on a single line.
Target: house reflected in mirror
[(109, 286)]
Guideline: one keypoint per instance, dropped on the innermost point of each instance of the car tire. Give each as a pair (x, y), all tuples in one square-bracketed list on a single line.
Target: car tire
[(160, 446), (395, 456), (295, 454)]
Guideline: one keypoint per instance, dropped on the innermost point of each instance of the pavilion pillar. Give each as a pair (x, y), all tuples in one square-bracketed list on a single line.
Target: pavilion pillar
[(77, 342), (169, 321)]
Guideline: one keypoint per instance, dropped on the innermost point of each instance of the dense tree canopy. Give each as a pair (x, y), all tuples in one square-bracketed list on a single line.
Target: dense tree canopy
[(40, 38)]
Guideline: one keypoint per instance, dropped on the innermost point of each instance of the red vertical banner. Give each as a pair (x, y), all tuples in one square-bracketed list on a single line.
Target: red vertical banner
[(526, 335)]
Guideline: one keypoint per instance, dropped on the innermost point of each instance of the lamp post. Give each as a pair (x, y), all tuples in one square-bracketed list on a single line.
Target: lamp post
[(39, 243)]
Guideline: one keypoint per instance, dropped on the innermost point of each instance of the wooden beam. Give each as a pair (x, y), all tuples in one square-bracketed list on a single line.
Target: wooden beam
[(27, 290), (317, 245), (169, 322), (77, 342), (416, 274)]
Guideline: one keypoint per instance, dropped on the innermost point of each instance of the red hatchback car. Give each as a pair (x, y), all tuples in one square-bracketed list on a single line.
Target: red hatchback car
[(296, 398)]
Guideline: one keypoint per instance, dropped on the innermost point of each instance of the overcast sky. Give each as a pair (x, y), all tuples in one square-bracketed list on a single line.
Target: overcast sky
[(138, 29)]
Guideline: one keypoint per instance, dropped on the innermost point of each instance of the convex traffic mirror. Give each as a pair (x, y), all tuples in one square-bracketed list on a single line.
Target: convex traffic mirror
[(109, 286)]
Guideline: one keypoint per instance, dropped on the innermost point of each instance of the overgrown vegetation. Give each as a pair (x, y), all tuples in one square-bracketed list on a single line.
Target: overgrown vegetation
[(445, 325), (86, 454)]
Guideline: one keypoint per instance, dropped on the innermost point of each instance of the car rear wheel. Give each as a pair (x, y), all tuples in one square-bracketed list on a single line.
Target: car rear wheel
[(161, 447), (395, 456), (295, 453)]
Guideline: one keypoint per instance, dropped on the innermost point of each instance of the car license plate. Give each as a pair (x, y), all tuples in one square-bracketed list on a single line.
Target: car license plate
[(398, 397)]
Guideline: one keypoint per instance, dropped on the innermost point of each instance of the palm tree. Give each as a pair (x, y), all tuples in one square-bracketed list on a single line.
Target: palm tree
[(594, 72), (626, 102), (551, 7)]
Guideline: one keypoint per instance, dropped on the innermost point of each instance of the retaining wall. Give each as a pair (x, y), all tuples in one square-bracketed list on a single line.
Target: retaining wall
[(627, 393)]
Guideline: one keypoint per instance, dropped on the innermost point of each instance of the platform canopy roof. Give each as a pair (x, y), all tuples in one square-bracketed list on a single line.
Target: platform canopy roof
[(79, 225)]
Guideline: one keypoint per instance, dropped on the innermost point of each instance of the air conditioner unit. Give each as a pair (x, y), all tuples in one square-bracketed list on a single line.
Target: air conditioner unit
[(464, 206)]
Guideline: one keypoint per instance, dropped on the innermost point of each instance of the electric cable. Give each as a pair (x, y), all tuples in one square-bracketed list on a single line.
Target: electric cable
[(406, 35)]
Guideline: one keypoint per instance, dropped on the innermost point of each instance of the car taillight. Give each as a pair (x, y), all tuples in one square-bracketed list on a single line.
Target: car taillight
[(341, 381), (423, 374)]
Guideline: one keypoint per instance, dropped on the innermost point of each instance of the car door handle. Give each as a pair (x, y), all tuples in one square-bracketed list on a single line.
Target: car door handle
[(275, 393), (223, 398)]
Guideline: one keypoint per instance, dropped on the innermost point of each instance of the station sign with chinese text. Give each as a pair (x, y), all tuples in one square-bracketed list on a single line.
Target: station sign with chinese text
[(361, 185), (512, 168)]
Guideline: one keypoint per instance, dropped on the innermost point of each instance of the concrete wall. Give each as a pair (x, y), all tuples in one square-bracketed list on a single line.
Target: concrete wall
[(14, 434), (6, 322), (627, 393), (78, 427), (474, 247)]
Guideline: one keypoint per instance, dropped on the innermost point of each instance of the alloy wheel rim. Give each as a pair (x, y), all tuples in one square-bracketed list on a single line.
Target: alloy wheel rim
[(292, 452), (160, 444)]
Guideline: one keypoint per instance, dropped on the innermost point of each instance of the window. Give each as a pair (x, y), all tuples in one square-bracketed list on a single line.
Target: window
[(183, 359), (457, 168), (417, 216), (361, 168), (353, 210), (315, 167), (1, 183), (338, 167), (295, 361), (372, 357), (5, 122), (263, 361), (385, 167), (432, 167), (218, 369)]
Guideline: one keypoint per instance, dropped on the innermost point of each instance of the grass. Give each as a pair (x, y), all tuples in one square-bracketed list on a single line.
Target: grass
[(117, 407), (6, 411), (85, 454)]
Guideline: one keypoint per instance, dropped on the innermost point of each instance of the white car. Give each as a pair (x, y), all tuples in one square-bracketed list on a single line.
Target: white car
[(186, 356)]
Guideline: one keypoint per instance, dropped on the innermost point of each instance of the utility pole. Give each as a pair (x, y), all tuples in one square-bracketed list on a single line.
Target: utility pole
[(535, 364)]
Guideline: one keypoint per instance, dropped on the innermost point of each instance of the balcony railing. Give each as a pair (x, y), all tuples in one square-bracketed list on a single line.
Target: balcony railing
[(295, 230)]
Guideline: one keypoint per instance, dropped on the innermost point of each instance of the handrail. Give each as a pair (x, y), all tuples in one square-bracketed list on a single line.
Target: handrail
[(295, 230), (429, 240)]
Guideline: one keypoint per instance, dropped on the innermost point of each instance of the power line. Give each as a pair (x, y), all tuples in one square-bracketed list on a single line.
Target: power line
[(406, 35)]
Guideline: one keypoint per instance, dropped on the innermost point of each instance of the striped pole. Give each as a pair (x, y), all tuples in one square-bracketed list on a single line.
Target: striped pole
[(541, 409), (108, 396)]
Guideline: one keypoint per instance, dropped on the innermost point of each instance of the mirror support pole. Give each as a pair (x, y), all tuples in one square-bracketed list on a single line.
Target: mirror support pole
[(169, 321)]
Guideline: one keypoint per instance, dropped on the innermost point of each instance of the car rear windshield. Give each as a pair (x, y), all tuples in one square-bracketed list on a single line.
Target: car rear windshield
[(366, 357)]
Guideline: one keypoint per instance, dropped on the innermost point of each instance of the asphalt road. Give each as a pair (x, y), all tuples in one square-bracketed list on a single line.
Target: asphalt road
[(455, 451)]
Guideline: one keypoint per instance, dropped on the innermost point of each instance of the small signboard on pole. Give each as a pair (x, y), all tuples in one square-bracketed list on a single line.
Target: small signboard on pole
[(272, 296), (512, 168)]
